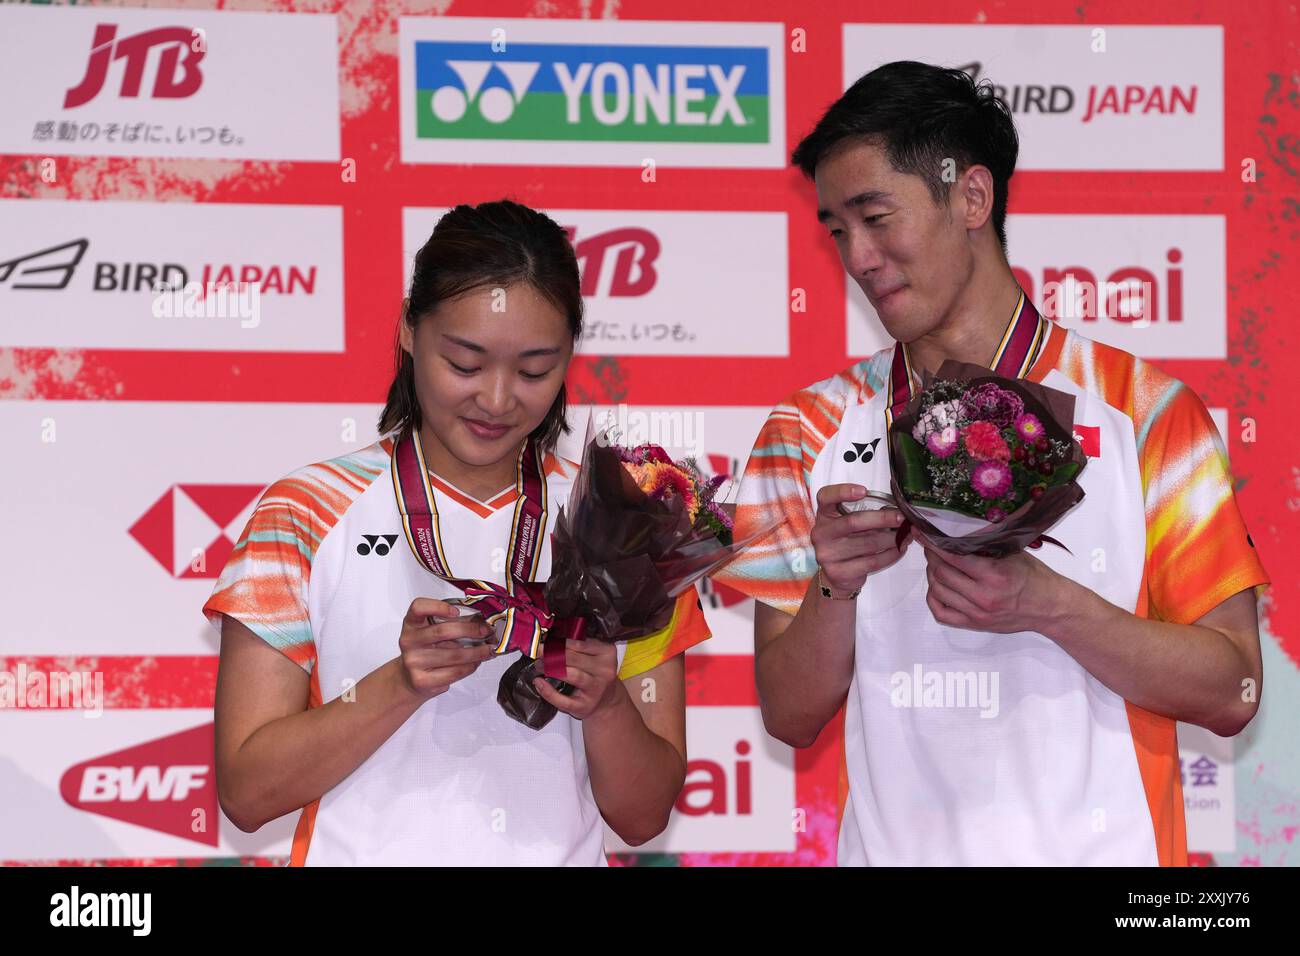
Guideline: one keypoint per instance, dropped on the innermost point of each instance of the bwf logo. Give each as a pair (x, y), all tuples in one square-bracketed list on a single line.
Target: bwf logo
[(165, 784), (176, 76)]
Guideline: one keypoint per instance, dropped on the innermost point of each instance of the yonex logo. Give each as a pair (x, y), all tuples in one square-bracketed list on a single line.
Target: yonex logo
[(372, 542), (496, 104), (862, 452), (550, 91)]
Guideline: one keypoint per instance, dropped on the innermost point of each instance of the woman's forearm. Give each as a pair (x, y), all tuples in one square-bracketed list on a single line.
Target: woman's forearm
[(289, 762), (635, 774)]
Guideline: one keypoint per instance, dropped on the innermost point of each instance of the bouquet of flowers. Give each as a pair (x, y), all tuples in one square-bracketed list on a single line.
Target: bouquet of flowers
[(637, 531), (984, 464)]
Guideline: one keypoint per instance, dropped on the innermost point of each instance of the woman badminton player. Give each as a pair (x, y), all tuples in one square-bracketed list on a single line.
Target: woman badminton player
[(351, 692)]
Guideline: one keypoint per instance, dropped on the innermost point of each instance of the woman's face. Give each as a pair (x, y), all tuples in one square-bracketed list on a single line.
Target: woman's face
[(488, 365)]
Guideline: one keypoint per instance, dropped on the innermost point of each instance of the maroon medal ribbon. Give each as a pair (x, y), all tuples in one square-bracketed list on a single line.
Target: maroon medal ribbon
[(520, 601)]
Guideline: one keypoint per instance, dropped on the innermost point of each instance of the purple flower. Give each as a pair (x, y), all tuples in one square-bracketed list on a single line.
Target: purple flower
[(942, 443), (990, 403), (995, 514), (1029, 428), (991, 479), (718, 513)]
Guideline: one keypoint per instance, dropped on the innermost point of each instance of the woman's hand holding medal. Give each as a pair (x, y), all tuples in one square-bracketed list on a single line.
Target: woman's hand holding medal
[(435, 646)]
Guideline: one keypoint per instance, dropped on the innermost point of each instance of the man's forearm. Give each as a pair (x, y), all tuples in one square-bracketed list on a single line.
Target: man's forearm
[(1186, 671), (803, 675)]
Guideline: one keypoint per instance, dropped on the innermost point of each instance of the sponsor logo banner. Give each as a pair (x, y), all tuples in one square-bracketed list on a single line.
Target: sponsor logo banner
[(654, 285), (1155, 286), (174, 276), (1083, 97), (155, 494), (131, 784), (739, 794), (591, 92), (115, 81)]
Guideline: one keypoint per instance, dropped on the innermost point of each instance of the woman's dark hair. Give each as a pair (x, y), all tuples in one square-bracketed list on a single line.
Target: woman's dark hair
[(493, 244), (920, 115)]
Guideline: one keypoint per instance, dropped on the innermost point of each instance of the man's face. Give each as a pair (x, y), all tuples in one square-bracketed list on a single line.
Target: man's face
[(910, 255), (488, 365)]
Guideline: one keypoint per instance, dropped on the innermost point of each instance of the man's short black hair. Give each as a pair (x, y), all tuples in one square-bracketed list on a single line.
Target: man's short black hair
[(920, 115)]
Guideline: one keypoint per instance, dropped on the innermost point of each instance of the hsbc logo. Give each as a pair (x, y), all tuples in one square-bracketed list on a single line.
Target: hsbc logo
[(192, 529), (176, 74), (166, 785)]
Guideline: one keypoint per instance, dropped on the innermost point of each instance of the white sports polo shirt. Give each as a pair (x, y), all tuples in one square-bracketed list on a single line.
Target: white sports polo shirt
[(971, 748), (324, 574)]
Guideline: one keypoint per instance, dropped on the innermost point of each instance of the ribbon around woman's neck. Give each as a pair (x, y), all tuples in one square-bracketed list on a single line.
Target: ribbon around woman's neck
[(520, 600)]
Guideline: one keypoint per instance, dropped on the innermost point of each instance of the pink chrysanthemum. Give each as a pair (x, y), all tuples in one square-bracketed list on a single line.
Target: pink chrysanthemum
[(984, 442), (1029, 428), (991, 479), (943, 442)]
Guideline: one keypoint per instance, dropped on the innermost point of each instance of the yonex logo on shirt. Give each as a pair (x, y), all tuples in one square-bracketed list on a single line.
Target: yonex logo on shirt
[(862, 452), (371, 543)]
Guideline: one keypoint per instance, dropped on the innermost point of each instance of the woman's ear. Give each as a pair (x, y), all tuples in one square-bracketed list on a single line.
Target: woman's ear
[(405, 333)]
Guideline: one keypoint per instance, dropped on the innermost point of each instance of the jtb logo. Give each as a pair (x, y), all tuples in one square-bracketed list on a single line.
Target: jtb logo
[(633, 273), (549, 91), (175, 78)]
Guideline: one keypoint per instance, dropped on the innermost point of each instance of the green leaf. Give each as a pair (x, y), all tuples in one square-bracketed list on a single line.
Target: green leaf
[(1065, 473), (913, 479)]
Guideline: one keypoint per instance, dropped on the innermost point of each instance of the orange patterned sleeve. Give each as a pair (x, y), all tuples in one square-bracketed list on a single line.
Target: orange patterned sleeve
[(1199, 553), (777, 567), (264, 582)]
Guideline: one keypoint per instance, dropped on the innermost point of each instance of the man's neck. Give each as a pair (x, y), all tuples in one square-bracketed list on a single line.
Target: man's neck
[(973, 328), (478, 481)]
